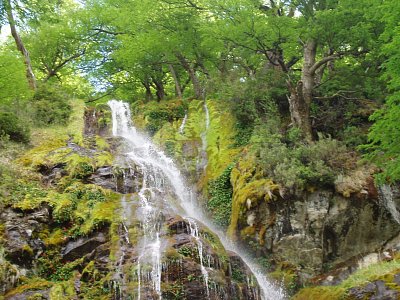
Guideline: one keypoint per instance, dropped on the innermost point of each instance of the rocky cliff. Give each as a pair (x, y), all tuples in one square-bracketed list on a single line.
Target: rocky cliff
[(64, 234), (320, 234)]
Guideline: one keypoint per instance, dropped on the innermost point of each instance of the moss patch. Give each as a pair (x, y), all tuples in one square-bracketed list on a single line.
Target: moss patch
[(382, 271), (249, 188)]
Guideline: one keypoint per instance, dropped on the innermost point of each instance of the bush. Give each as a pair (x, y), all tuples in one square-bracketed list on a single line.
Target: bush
[(159, 113), (50, 106), (11, 127), (297, 165)]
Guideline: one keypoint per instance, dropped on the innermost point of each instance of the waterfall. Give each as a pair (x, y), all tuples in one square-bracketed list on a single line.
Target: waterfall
[(194, 232), (182, 127), (160, 178), (203, 136)]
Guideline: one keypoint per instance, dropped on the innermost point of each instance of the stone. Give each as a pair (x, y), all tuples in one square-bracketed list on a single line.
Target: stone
[(19, 244), (376, 290), (84, 245)]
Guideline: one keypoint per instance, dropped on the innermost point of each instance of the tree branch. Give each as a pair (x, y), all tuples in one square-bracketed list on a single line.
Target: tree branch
[(108, 31), (323, 61)]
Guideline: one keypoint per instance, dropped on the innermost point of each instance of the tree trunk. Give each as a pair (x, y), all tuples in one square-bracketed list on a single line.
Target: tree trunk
[(160, 91), (149, 94), (301, 95), (192, 74), (178, 90), (20, 45)]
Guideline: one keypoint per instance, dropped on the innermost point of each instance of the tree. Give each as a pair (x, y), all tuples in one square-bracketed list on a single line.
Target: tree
[(13, 84), (8, 9), (384, 134), (57, 44)]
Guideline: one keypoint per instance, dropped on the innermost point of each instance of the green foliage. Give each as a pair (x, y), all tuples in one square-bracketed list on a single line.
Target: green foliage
[(237, 274), (384, 147), (26, 195), (13, 83), (79, 166), (295, 164), (12, 127), (157, 114), (48, 264), (252, 100), (50, 105), (384, 271), (220, 203), (186, 251)]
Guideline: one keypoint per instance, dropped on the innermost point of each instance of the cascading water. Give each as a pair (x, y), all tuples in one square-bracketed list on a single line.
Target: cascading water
[(204, 160), (160, 179), (182, 127), (194, 231)]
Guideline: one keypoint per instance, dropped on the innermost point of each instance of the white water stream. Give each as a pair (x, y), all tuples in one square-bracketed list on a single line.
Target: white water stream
[(160, 178), (182, 127)]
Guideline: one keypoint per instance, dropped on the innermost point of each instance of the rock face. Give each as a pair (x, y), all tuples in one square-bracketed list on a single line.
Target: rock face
[(320, 230), (375, 290), (183, 271), (78, 248), (21, 244)]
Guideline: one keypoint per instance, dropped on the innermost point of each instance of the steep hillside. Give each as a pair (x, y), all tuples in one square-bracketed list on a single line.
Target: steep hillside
[(312, 214)]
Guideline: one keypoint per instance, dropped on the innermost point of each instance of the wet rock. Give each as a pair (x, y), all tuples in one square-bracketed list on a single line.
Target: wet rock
[(376, 290), (104, 177), (118, 179), (9, 275), (97, 120), (20, 245), (84, 245), (322, 230)]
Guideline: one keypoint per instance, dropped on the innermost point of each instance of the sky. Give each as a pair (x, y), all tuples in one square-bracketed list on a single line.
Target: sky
[(5, 32)]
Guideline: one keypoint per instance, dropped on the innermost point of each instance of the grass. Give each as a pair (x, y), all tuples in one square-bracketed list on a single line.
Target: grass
[(380, 271), (61, 132)]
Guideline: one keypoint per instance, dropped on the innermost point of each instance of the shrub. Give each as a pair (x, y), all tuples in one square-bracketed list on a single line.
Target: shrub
[(50, 106), (295, 164), (159, 113), (11, 127)]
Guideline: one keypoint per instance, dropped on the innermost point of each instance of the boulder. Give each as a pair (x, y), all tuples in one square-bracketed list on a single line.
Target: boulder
[(82, 246)]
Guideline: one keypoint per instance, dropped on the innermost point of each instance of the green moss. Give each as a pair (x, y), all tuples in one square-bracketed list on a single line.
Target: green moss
[(63, 206), (79, 166), (63, 290), (320, 293), (30, 285), (103, 159), (172, 254), (381, 271), (55, 238), (101, 143), (42, 155), (249, 188), (220, 138), (26, 195)]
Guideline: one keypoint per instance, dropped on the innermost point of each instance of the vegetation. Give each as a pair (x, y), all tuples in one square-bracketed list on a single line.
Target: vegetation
[(382, 271), (220, 191), (299, 95)]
